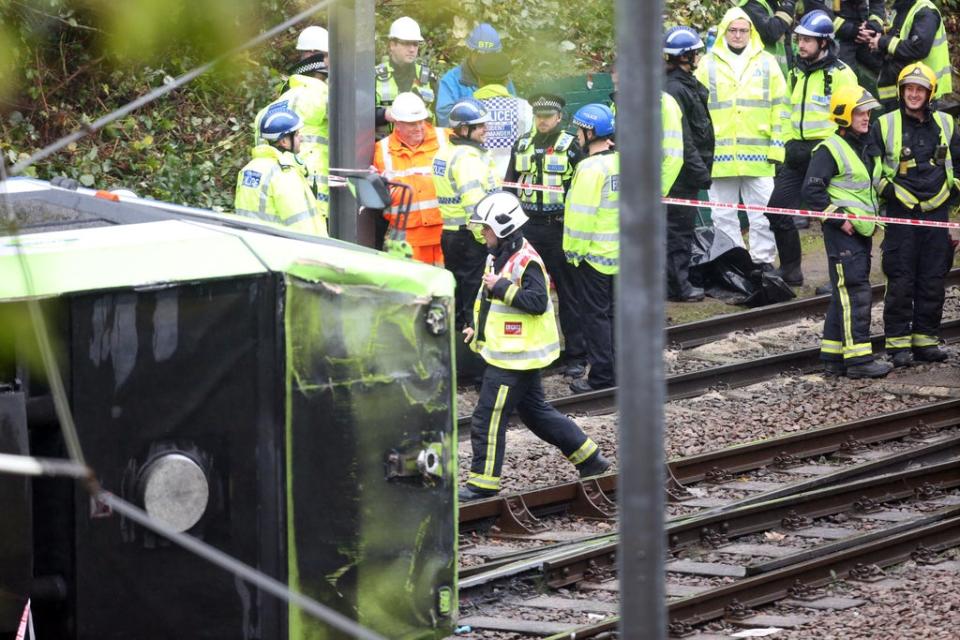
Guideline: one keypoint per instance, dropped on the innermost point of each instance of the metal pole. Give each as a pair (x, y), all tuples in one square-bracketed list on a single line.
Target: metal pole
[(351, 110), (640, 321)]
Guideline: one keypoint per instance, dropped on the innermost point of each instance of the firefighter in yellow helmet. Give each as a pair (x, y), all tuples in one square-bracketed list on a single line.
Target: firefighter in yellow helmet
[(918, 147), (843, 173), (515, 331)]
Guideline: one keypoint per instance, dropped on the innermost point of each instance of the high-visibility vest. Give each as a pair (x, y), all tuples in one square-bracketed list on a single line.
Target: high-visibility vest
[(891, 131), (462, 175), (307, 97), (387, 89), (272, 187), (747, 113), (853, 188), (672, 141), (515, 339), (778, 50), (938, 59), (551, 172), (511, 118), (591, 219), (414, 167), (810, 101)]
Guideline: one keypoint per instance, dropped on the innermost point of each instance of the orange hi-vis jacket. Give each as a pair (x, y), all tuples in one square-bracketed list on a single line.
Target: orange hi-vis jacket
[(413, 166)]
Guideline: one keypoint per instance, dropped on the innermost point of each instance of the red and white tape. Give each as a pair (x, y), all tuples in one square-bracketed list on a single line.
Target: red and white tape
[(26, 621), (835, 215)]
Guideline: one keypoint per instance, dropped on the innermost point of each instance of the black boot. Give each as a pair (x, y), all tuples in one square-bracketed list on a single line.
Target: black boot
[(791, 255), (872, 369), (593, 466)]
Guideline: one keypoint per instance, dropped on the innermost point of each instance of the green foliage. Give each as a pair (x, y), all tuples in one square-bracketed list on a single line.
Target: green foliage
[(64, 63)]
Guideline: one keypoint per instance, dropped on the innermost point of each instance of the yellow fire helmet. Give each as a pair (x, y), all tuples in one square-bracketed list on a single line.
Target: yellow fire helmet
[(918, 73), (848, 98)]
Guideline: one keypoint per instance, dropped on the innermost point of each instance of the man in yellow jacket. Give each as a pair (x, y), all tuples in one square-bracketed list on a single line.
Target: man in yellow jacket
[(306, 94), (273, 187), (748, 104)]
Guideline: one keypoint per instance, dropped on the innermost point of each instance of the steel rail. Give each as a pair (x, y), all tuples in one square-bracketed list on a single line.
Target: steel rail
[(568, 564), (777, 585), (736, 459), (693, 334), (688, 385)]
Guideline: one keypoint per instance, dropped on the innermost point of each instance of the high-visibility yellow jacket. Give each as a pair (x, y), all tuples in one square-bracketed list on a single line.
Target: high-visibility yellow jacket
[(748, 104), (591, 220), (512, 338), (552, 171), (463, 173), (272, 187), (672, 141), (387, 89), (938, 59), (307, 97), (853, 188), (810, 101), (891, 132)]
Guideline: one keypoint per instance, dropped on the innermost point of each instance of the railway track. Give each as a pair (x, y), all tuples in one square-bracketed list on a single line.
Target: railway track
[(518, 513), (729, 376), (909, 511), (694, 334), (763, 575)]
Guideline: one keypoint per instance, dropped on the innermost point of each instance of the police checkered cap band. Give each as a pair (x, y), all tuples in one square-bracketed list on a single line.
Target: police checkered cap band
[(279, 122), (680, 40), (547, 104), (314, 64), (816, 24)]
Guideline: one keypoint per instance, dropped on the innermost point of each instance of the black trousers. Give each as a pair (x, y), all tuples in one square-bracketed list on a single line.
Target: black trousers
[(503, 392), (915, 262), (546, 235), (786, 193), (464, 257), (846, 329), (596, 291), (680, 224)]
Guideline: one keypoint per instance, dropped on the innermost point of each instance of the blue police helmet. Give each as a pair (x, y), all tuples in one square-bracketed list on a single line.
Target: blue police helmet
[(468, 111), (680, 40), (277, 123), (816, 24), (597, 117), (484, 39)]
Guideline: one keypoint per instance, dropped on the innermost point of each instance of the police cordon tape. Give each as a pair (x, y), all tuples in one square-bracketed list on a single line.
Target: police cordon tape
[(805, 213)]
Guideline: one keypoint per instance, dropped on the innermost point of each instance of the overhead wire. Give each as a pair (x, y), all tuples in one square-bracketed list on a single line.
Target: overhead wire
[(76, 465)]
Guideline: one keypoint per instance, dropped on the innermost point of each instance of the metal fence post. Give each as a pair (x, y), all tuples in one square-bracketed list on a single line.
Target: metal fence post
[(640, 321), (351, 110)]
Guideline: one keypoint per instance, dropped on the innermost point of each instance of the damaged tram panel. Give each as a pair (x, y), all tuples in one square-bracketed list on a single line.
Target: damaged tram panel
[(290, 402)]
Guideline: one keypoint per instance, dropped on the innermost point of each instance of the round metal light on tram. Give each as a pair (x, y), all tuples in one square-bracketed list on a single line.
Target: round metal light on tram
[(175, 491)]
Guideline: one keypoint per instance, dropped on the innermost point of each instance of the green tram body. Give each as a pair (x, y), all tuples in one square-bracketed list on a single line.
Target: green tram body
[(298, 393)]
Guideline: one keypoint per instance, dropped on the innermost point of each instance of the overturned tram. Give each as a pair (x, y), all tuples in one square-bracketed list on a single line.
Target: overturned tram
[(286, 399)]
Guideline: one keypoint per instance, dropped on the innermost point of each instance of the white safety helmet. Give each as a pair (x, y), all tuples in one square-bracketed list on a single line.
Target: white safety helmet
[(405, 29), (126, 193), (314, 38), (409, 107), (501, 211)]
